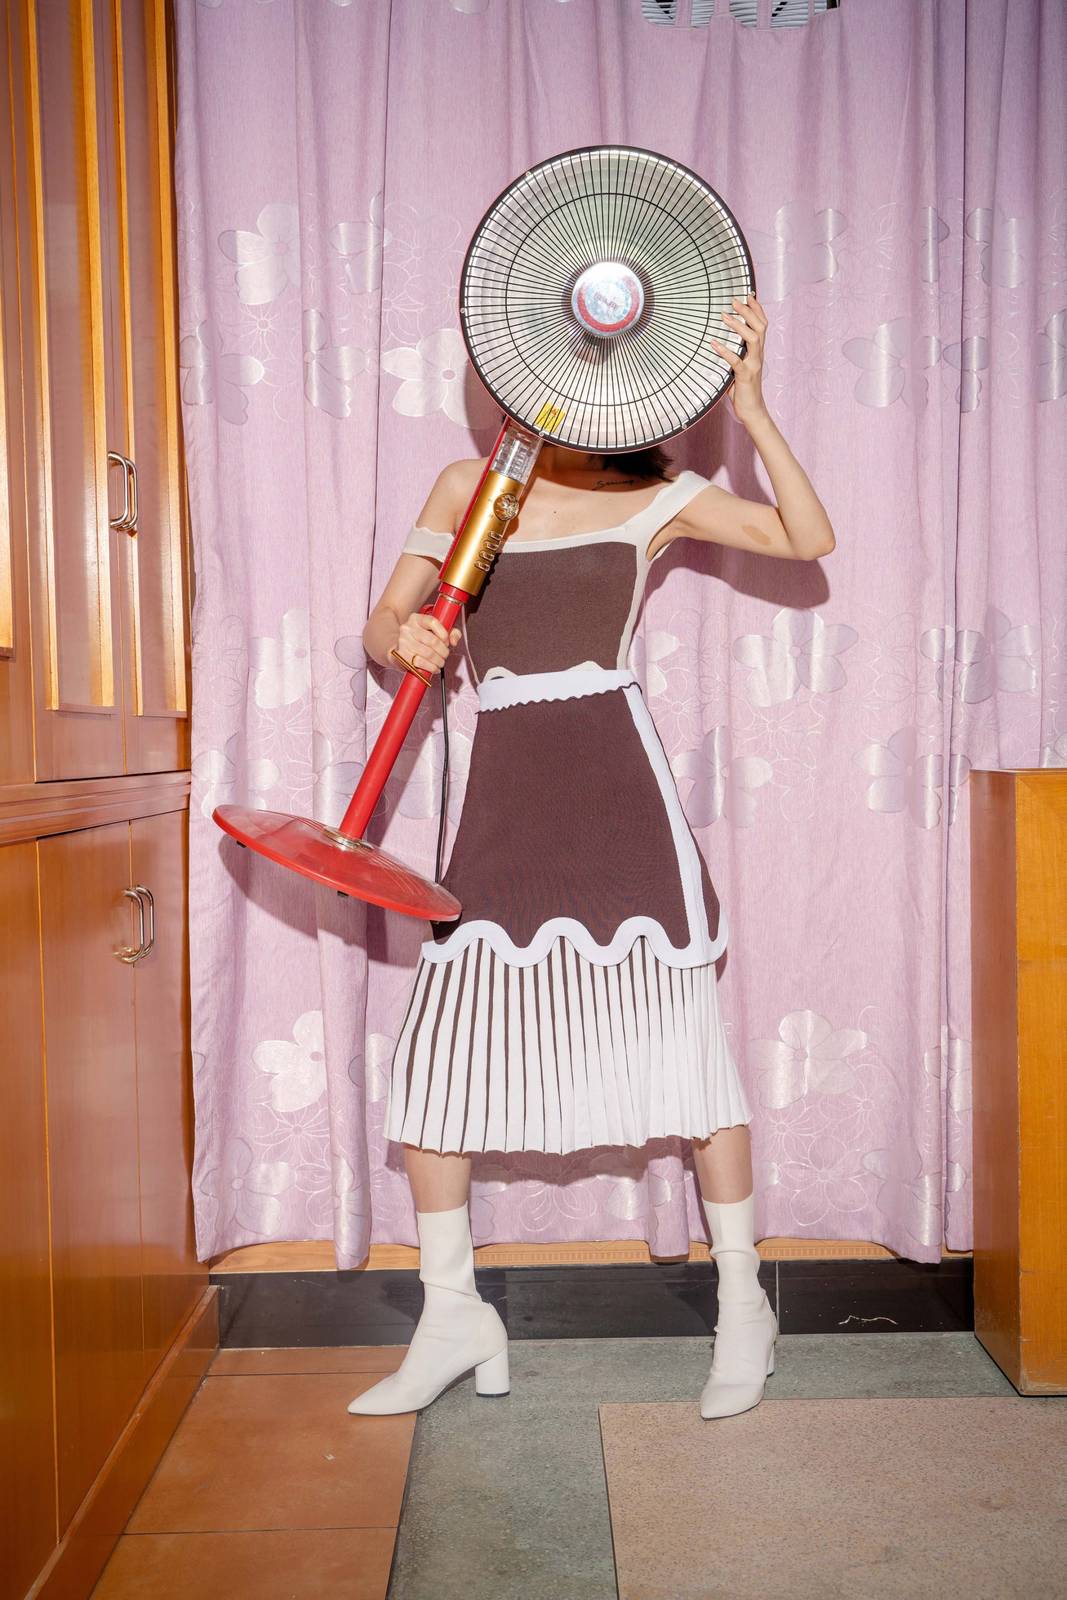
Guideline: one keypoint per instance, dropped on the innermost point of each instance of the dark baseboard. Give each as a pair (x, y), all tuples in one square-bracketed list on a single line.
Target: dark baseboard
[(265, 1310)]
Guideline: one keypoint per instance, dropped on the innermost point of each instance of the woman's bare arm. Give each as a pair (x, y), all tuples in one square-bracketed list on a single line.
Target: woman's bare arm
[(396, 621), (798, 527)]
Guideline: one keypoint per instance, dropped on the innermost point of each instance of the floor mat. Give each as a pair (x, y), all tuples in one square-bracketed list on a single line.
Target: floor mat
[(821, 1498)]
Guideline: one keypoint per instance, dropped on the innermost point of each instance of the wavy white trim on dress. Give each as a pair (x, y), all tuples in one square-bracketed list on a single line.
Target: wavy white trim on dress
[(696, 953), (701, 948), (570, 683), (561, 1056)]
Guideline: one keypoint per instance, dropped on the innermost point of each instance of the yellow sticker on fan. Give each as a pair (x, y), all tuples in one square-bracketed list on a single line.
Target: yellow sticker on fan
[(549, 417)]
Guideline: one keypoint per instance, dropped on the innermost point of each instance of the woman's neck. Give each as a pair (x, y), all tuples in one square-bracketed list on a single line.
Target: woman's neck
[(578, 468)]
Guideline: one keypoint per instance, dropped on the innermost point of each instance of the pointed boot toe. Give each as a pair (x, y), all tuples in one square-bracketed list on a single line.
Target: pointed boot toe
[(439, 1353), (382, 1399), (742, 1361)]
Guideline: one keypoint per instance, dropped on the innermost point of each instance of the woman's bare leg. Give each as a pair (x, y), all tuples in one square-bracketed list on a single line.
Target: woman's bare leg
[(724, 1164), (746, 1325), (456, 1329), (438, 1182)]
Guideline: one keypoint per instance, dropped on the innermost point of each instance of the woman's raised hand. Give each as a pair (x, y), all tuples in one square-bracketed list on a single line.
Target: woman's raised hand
[(425, 642), (749, 319)]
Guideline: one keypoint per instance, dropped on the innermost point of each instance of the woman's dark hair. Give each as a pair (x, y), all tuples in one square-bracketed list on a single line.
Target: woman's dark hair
[(651, 463), (648, 464)]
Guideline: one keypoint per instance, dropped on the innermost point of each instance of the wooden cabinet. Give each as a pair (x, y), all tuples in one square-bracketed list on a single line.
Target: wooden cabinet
[(1019, 1028), (92, 279), (103, 1313), (119, 1124), (92, 1146), (100, 1260)]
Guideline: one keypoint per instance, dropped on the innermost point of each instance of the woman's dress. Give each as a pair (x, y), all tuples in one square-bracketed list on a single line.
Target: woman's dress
[(574, 1003)]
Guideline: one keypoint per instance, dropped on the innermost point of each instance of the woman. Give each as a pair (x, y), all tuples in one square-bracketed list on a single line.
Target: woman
[(574, 1002)]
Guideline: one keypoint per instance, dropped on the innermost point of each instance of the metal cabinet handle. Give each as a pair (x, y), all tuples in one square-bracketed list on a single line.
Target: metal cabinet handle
[(132, 954), (140, 891), (116, 459), (131, 526)]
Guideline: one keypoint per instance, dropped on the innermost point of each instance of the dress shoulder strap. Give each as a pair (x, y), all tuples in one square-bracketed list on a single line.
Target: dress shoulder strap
[(664, 506), (427, 542)]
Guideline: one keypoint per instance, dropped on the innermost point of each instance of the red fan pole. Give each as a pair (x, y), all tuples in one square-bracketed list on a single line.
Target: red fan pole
[(394, 730), (341, 857)]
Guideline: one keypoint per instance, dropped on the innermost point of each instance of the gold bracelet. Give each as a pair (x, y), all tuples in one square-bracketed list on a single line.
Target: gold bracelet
[(409, 667)]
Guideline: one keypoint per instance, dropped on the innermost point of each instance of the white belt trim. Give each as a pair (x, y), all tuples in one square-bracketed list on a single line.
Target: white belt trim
[(521, 687)]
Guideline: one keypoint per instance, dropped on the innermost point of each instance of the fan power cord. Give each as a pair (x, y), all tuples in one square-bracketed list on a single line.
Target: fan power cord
[(444, 779)]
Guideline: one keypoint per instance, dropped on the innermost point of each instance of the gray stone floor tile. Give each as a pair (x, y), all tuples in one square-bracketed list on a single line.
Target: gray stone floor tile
[(506, 1498)]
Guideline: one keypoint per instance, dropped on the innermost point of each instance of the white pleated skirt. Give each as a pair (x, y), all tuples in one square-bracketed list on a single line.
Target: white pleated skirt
[(563, 1054)]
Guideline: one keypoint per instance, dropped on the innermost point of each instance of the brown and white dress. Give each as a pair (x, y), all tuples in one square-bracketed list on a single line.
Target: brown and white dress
[(574, 1003)]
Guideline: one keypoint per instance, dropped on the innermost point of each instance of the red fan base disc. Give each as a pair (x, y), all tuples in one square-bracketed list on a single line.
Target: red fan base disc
[(360, 869)]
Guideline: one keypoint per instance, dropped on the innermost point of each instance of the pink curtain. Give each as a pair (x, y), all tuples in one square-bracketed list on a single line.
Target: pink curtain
[(898, 169)]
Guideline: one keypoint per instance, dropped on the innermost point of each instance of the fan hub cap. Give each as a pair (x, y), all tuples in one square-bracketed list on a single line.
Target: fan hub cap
[(608, 298)]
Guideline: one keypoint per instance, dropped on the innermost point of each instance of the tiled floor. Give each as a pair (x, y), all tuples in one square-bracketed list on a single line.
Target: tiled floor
[(507, 1499), (269, 1488)]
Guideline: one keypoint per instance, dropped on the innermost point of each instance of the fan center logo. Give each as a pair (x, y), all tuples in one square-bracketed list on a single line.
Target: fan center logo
[(607, 298)]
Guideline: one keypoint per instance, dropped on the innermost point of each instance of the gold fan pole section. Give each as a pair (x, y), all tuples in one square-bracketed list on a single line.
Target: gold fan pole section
[(484, 532)]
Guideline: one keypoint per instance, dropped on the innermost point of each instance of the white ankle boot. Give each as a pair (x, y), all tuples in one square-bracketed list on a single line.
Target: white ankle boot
[(747, 1326), (457, 1330)]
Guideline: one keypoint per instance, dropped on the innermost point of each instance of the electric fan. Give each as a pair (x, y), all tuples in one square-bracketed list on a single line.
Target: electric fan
[(589, 296)]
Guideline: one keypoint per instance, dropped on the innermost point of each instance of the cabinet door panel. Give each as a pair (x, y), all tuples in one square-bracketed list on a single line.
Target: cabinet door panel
[(173, 1278), (76, 583), (16, 682), (27, 1460), (92, 1144), (154, 616)]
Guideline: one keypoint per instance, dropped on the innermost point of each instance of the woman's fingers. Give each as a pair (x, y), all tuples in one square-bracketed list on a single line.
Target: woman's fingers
[(750, 310), (748, 315), (727, 355), (425, 641)]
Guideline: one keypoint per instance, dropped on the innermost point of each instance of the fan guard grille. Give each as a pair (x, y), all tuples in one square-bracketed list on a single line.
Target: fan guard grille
[(663, 226)]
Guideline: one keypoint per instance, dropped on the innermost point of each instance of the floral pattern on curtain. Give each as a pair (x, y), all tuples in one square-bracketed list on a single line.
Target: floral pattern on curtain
[(898, 170)]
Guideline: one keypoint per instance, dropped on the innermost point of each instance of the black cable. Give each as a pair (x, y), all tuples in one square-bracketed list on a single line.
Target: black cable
[(444, 779)]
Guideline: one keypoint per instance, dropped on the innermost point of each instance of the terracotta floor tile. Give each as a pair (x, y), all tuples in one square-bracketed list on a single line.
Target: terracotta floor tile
[(279, 1451), (329, 1358), (291, 1564)]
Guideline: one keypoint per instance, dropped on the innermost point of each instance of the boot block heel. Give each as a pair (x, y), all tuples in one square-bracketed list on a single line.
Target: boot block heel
[(770, 1362), (491, 1377)]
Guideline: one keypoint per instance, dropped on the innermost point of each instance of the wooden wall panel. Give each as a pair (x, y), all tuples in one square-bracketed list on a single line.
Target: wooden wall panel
[(994, 1042), (1019, 1030), (16, 666), (1041, 855), (27, 1460)]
